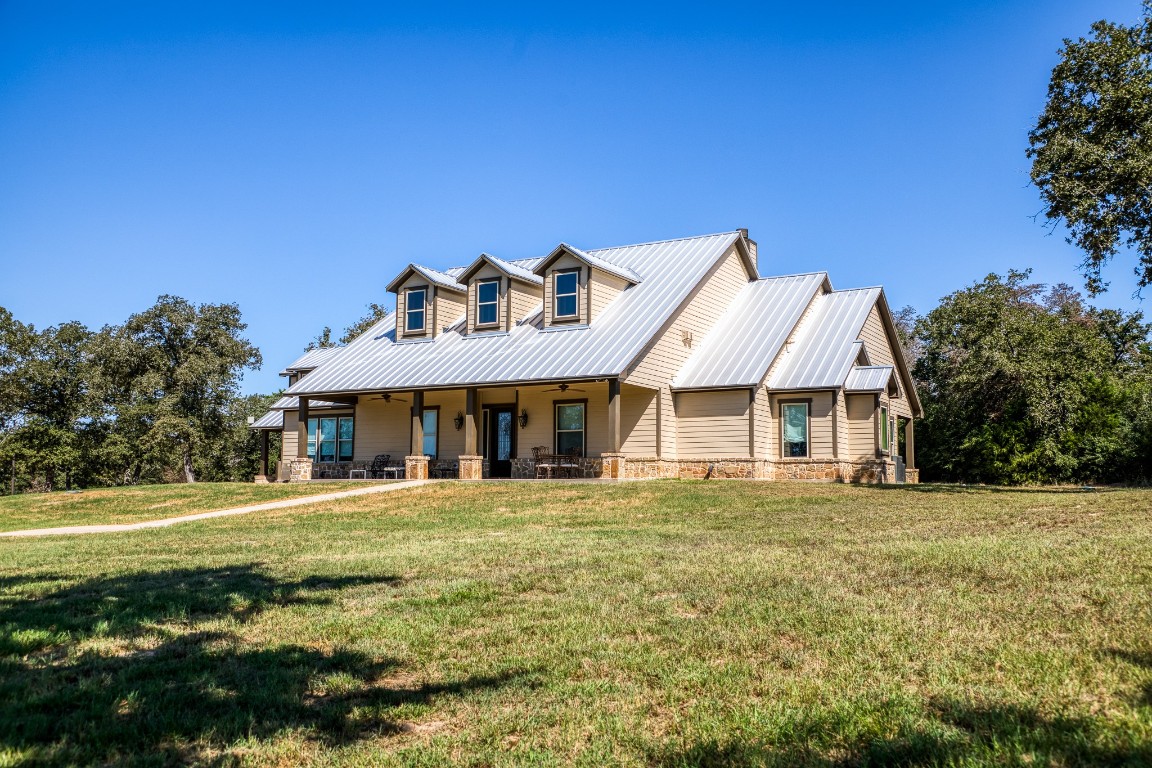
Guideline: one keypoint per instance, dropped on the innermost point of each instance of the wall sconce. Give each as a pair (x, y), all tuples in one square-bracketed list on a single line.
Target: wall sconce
[(523, 418), (458, 421)]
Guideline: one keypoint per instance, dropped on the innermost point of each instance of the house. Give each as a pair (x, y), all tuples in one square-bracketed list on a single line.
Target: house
[(665, 359)]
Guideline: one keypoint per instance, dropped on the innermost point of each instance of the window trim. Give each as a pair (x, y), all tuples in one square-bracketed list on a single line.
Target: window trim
[(476, 320), (807, 403), (409, 331), (313, 436), (556, 273), (427, 408), (556, 424), (883, 429)]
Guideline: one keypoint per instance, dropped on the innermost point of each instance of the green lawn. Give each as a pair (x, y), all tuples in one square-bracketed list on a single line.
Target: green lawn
[(649, 624), (146, 502)]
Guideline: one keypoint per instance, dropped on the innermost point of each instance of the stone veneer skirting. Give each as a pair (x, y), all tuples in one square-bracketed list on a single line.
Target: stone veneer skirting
[(828, 470)]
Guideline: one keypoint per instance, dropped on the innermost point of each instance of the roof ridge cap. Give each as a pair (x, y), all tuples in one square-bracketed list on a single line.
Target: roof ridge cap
[(667, 240)]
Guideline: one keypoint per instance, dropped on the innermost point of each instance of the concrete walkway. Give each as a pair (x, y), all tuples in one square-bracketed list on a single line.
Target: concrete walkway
[(167, 521)]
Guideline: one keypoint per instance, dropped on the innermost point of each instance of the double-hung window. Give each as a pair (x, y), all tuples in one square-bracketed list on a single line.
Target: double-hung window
[(884, 444), (569, 427), (415, 308), (487, 302), (565, 286), (330, 438), (431, 422), (794, 427)]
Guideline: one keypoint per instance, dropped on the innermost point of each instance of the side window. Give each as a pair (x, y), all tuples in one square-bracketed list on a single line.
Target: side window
[(330, 438), (487, 302), (884, 445), (565, 287), (794, 426), (415, 307), (569, 427), (431, 419)]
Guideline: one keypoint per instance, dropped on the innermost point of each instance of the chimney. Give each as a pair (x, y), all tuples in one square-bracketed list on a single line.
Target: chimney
[(751, 247)]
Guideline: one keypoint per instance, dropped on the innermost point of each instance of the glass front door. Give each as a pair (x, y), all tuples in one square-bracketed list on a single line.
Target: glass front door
[(500, 441)]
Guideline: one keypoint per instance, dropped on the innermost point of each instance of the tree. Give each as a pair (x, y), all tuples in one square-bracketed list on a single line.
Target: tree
[(1091, 149), (323, 340), (375, 314), (1024, 383), (170, 374)]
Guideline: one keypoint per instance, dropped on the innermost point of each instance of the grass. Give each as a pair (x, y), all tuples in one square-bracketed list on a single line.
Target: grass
[(644, 624), (146, 502)]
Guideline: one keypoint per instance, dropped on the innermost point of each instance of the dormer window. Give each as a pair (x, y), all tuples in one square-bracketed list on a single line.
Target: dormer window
[(415, 306), (487, 302), (565, 290)]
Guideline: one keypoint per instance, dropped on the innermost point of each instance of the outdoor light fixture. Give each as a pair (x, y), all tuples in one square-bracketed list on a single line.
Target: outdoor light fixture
[(523, 418), (458, 421)]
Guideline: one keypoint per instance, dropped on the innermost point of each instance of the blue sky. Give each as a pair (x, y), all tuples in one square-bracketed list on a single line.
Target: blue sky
[(292, 158)]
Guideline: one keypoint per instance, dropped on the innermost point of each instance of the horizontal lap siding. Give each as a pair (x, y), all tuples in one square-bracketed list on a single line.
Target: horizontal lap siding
[(524, 300), (561, 264), (668, 432), (604, 289), (638, 408), (451, 403), (540, 406), (383, 427), (450, 307), (488, 272), (880, 352), (415, 281), (765, 427), (289, 440), (820, 414), (667, 356), (861, 426), (712, 424)]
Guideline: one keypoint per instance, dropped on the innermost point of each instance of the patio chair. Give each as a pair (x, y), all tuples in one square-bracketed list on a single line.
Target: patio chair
[(380, 465), (570, 462), (543, 461)]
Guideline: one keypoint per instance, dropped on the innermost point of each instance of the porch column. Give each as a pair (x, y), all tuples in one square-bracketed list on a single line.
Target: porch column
[(614, 415), (302, 430), (264, 451), (909, 445), (471, 461), (416, 463)]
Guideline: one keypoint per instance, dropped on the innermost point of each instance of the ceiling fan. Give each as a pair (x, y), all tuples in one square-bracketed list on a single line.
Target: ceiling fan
[(564, 388), (387, 398)]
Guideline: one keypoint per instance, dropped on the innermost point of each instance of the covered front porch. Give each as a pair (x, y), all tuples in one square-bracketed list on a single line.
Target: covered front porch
[(471, 433)]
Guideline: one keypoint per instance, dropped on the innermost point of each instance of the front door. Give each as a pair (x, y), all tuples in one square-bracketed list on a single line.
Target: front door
[(499, 441)]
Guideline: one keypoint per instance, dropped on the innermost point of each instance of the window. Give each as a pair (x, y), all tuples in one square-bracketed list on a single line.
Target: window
[(415, 301), (884, 445), (487, 302), (565, 285), (794, 425), (431, 420), (333, 435), (569, 427)]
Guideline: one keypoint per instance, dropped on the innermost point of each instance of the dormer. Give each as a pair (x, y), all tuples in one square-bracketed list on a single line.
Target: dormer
[(427, 302), (500, 294), (579, 285)]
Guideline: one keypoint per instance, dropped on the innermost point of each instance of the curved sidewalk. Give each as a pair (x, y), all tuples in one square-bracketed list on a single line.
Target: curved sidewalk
[(165, 522)]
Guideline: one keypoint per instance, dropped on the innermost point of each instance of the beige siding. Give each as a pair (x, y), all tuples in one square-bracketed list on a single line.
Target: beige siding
[(289, 441), (667, 421), (561, 264), (764, 425), (488, 272), (667, 355), (880, 352), (841, 417), (525, 299), (712, 424), (861, 411), (450, 308), (540, 405), (383, 428), (820, 414), (415, 281), (638, 423), (603, 289)]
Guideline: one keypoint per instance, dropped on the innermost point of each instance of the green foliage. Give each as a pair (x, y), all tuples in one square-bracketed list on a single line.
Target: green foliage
[(323, 340), (1091, 149), (1022, 384)]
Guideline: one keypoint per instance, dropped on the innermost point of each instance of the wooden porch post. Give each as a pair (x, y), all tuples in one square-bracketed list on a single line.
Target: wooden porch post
[(614, 441), (417, 424), (470, 447), (264, 452), (302, 430), (909, 445)]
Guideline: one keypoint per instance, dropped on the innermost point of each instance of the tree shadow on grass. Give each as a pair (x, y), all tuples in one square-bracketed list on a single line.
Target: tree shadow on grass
[(957, 488), (116, 670), (953, 733)]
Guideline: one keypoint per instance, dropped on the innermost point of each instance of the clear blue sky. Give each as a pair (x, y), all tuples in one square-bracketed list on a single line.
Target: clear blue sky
[(293, 158)]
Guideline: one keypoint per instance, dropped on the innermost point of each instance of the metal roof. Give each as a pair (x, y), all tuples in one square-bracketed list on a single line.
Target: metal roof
[(521, 270), (824, 346), (868, 378), (270, 420), (311, 359), (288, 403), (434, 276), (595, 261), (670, 269), (740, 349)]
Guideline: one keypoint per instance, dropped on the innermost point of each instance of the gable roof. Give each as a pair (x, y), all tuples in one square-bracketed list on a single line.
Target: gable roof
[(824, 346), (868, 378), (670, 269), (434, 276), (311, 360), (520, 270), (623, 273), (747, 338)]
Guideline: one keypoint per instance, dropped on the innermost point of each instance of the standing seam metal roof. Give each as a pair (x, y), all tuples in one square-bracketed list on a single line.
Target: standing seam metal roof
[(670, 268), (311, 359), (747, 338), (824, 346), (868, 378)]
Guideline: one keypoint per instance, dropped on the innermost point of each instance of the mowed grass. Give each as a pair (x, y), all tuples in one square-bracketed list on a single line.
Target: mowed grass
[(104, 506), (645, 624)]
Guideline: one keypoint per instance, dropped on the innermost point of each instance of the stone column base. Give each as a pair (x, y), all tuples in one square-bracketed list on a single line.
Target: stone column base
[(299, 470), (471, 467), (416, 467), (613, 467), (261, 480)]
